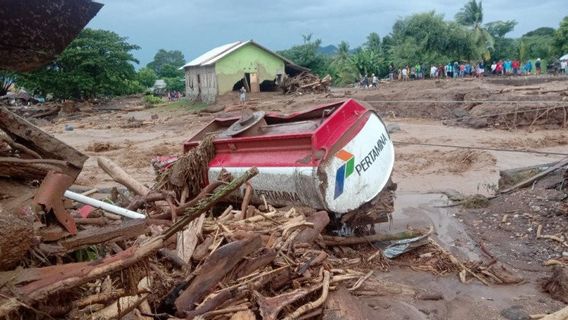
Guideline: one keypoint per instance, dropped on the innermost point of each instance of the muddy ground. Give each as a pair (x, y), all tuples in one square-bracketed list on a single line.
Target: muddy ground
[(425, 174)]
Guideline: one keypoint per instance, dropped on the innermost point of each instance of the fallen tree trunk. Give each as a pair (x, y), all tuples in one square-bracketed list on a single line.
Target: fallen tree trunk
[(215, 267), (120, 176), (123, 231), (526, 182), (347, 241), (16, 238)]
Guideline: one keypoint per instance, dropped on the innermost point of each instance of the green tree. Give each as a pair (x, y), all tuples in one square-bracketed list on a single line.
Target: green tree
[(146, 77), (177, 84), (498, 29), (560, 43), (373, 42), (537, 44), (471, 15), (366, 61), (503, 48), (97, 62), (542, 31), (308, 55), (166, 63), (343, 68), (426, 38)]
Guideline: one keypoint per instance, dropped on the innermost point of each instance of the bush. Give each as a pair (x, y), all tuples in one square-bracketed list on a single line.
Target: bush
[(152, 100)]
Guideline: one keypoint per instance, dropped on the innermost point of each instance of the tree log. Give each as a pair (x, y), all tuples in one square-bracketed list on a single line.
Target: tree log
[(25, 133), (123, 231), (347, 241), (247, 267), (215, 267), (341, 305), (16, 236), (120, 176), (320, 220)]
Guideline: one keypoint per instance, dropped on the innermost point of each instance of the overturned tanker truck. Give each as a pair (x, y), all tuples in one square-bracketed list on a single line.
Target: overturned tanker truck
[(336, 157)]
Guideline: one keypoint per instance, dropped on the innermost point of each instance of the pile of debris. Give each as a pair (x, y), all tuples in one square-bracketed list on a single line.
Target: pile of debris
[(305, 82), (530, 211), (175, 249)]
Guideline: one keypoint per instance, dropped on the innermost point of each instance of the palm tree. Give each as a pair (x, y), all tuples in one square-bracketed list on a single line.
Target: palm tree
[(343, 64), (471, 15)]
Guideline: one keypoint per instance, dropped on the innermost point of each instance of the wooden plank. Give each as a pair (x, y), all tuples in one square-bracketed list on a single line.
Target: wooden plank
[(341, 305), (187, 239), (215, 267), (25, 133), (528, 181), (125, 230)]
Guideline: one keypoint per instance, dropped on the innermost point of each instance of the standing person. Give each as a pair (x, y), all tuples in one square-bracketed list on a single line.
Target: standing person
[(563, 66), (418, 71), (493, 67), (405, 73), (480, 69), (391, 72), (449, 73), (528, 67), (499, 68), (374, 81), (243, 95), (515, 65), (537, 66), (509, 67), (456, 69), (462, 70), (433, 72), (412, 73)]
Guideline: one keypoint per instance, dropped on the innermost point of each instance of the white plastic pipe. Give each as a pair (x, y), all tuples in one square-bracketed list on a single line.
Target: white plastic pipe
[(103, 205)]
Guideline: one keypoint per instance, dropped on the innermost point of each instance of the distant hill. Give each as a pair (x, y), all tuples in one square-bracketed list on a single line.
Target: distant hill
[(328, 50)]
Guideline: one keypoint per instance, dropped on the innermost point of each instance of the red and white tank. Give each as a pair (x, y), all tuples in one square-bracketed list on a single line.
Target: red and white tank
[(335, 157)]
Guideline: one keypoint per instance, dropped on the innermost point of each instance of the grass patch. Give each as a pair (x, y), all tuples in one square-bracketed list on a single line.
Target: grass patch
[(152, 100), (184, 104)]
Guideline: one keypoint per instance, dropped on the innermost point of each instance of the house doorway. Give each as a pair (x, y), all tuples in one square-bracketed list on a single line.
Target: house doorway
[(198, 86), (253, 82)]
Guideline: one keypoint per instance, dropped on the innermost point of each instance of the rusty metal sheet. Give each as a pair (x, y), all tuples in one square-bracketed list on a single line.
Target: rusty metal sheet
[(50, 197), (34, 32)]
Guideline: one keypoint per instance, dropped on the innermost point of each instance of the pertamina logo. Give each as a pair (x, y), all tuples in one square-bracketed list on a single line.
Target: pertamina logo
[(344, 171)]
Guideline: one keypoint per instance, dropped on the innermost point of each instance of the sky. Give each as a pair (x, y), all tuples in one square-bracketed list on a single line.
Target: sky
[(196, 26)]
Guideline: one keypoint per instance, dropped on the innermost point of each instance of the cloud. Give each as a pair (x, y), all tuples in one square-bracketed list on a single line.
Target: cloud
[(199, 25)]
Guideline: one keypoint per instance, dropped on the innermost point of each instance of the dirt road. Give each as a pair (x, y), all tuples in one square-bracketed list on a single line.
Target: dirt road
[(423, 173)]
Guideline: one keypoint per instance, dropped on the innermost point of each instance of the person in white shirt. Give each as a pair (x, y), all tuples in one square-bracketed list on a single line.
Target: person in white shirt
[(374, 81), (433, 70), (404, 74), (563, 66)]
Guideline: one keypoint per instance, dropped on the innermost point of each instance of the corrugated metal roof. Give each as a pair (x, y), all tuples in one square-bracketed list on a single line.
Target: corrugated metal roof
[(203, 59), (212, 56)]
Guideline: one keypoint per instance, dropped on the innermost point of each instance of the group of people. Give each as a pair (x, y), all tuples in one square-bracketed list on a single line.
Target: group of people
[(173, 95), (513, 67), (463, 69), (369, 82)]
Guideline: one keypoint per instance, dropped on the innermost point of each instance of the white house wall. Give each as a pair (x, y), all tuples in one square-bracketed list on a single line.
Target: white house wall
[(207, 83)]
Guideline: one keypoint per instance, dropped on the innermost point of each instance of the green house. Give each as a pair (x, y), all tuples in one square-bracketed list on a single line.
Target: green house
[(235, 65)]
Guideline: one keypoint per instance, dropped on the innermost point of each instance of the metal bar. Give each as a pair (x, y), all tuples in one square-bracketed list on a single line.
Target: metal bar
[(103, 205)]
